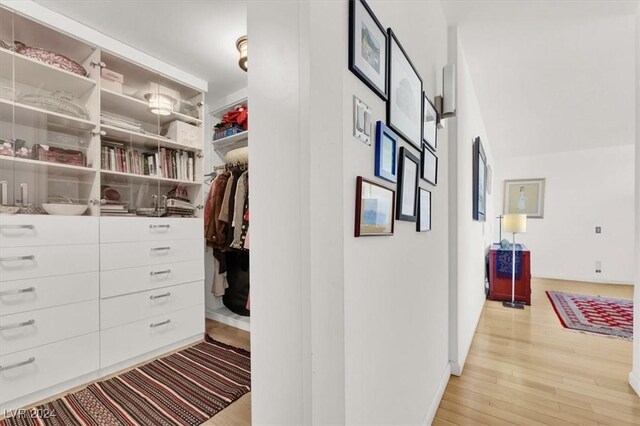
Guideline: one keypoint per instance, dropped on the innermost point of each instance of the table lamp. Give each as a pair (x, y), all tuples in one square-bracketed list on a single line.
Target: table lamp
[(514, 224)]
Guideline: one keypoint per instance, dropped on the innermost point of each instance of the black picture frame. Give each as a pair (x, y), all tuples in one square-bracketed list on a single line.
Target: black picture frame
[(407, 185), (479, 181), (417, 142), (353, 66), (359, 230), (429, 165), (424, 210), (430, 138)]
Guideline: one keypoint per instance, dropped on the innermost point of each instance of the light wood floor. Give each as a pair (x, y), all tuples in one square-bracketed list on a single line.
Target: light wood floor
[(525, 368)]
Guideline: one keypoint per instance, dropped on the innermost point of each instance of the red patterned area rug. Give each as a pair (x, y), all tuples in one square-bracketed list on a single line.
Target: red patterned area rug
[(594, 314), (185, 388)]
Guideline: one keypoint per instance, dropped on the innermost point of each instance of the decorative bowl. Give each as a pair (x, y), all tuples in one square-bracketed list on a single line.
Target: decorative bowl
[(9, 209), (65, 209)]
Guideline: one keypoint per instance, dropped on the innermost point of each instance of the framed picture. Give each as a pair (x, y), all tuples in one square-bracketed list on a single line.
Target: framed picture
[(404, 108), (386, 153), (374, 208), (429, 123), (407, 208), (368, 47), (479, 181), (424, 210), (429, 166), (524, 196)]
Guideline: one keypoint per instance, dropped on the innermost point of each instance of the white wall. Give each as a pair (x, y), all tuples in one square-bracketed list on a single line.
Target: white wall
[(396, 288), (584, 189), (344, 330), (634, 376), (469, 239)]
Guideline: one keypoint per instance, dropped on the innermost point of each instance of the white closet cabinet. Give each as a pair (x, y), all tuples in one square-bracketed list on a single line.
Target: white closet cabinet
[(84, 296)]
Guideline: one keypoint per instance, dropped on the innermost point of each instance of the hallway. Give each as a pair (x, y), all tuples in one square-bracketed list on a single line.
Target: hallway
[(525, 368)]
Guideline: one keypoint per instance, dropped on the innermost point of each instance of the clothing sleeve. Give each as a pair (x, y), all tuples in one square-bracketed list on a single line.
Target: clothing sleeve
[(238, 212), (224, 210)]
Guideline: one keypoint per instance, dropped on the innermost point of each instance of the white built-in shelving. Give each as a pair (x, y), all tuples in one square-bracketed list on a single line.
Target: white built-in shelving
[(34, 125)]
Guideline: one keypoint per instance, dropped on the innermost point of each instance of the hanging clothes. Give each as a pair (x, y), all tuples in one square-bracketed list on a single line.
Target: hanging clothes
[(242, 193), (216, 232)]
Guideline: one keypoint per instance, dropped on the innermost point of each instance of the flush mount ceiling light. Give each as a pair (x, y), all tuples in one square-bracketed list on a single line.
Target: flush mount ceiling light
[(160, 104), (241, 45)]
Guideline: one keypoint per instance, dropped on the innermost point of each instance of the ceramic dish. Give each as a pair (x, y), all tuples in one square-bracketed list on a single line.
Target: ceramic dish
[(9, 209), (65, 209)]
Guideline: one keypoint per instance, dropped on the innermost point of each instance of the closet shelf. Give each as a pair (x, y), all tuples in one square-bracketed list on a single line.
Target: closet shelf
[(134, 178), (56, 169), (28, 115), (42, 76), (137, 109), (238, 140), (144, 140)]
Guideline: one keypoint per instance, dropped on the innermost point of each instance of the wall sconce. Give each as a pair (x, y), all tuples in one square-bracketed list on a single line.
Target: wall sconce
[(241, 45), (446, 104)]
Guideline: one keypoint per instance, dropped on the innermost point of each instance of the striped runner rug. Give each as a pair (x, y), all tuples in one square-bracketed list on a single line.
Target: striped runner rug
[(185, 388)]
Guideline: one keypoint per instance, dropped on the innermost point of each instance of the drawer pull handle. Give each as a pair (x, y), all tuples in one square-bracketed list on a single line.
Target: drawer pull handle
[(166, 271), (18, 364), (17, 325), (161, 248), (19, 291), (158, 324), (159, 226), (17, 258), (160, 296), (17, 227)]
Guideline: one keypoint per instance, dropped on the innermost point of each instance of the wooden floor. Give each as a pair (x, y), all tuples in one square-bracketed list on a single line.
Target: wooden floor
[(525, 368)]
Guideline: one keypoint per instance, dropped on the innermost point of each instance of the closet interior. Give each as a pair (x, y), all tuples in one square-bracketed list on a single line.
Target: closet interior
[(103, 201)]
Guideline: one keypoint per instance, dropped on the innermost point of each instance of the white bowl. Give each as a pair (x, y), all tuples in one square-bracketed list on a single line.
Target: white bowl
[(65, 209), (9, 209)]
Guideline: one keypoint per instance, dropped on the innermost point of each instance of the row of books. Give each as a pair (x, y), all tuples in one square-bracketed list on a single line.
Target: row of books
[(165, 163)]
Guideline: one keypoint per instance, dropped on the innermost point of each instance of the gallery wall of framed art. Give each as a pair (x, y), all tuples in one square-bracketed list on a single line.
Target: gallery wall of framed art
[(406, 143)]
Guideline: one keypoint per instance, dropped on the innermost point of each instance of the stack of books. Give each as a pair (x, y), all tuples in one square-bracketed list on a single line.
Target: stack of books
[(114, 208), (177, 207)]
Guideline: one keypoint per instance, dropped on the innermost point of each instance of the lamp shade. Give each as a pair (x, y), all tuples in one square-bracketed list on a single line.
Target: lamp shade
[(515, 223)]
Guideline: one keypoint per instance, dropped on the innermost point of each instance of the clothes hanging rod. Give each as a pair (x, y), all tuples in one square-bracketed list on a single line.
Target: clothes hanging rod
[(241, 164)]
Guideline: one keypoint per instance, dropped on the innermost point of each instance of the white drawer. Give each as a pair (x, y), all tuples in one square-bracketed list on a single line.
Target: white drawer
[(134, 307), (124, 281), (125, 229), (118, 344), (42, 230), (30, 329), (128, 255), (38, 293), (48, 365), (33, 262)]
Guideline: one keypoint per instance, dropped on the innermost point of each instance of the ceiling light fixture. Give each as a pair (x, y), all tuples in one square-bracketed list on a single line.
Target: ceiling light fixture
[(241, 45), (160, 104)]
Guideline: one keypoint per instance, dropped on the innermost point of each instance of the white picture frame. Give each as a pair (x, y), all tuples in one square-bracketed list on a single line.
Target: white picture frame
[(525, 196)]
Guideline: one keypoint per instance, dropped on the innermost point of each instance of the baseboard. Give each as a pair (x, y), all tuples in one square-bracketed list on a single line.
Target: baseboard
[(456, 369), (227, 318), (586, 280), (634, 381), (435, 403)]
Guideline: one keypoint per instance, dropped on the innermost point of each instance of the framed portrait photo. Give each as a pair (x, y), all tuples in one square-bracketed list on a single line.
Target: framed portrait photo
[(424, 210), (386, 153), (524, 196), (479, 181), (404, 107), (429, 123), (408, 175), (429, 165), (368, 47), (375, 206)]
